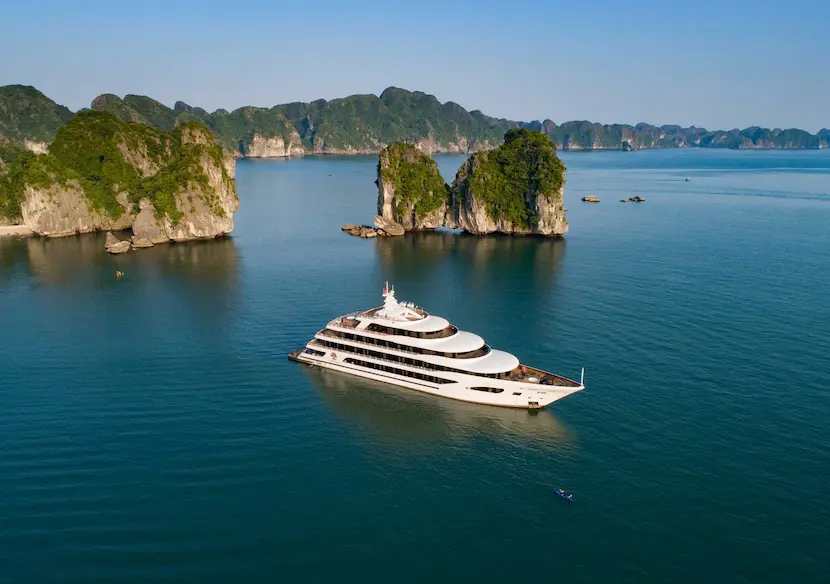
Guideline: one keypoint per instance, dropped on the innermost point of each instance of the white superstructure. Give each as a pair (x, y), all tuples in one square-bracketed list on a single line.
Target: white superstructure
[(399, 343)]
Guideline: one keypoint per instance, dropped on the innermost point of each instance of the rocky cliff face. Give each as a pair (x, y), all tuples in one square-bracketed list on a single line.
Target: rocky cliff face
[(63, 209), (472, 210), (35, 146), (258, 146), (104, 174), (205, 208), (517, 188), (229, 162), (411, 191)]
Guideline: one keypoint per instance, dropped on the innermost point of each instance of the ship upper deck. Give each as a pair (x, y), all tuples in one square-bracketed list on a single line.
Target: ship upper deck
[(406, 328)]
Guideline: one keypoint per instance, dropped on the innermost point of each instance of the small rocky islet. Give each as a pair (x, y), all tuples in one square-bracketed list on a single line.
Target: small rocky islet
[(381, 228)]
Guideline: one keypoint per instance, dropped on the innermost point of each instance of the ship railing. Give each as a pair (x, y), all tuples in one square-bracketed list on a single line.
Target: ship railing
[(442, 334), (334, 335), (523, 373), (386, 360), (400, 349), (545, 379)]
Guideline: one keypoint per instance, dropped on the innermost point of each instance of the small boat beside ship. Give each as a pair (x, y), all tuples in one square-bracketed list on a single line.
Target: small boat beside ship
[(401, 344)]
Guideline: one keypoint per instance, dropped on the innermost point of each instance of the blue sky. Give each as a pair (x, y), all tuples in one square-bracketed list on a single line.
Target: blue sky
[(718, 64)]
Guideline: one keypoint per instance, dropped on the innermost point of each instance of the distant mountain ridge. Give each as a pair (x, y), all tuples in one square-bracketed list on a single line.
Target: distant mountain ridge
[(27, 117), (365, 123)]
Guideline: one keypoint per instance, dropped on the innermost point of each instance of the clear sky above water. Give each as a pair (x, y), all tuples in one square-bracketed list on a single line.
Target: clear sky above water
[(719, 64)]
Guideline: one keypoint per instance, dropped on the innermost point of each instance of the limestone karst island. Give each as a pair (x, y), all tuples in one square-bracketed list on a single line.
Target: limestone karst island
[(516, 188), (166, 174), (104, 174)]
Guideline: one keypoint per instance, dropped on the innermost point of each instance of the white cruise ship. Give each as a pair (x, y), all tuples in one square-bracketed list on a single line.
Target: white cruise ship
[(401, 344)]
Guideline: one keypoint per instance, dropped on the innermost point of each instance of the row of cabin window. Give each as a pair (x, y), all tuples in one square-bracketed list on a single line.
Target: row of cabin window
[(443, 333), (396, 371), (399, 359), (491, 389), (406, 348)]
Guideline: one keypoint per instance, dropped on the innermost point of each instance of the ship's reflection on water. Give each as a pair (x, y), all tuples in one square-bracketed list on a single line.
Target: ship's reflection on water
[(401, 415)]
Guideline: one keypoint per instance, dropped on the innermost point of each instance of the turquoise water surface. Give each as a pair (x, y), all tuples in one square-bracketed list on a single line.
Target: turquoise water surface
[(152, 429)]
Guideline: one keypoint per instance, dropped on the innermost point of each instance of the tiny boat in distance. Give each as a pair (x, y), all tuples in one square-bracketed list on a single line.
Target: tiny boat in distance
[(565, 495), (401, 344)]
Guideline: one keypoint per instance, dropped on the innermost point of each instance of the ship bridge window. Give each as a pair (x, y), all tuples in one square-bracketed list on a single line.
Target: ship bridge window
[(488, 389)]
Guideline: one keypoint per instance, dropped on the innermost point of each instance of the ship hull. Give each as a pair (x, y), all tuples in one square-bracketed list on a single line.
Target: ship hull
[(502, 393)]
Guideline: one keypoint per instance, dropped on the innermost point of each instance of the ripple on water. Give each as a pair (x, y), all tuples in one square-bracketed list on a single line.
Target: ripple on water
[(152, 429)]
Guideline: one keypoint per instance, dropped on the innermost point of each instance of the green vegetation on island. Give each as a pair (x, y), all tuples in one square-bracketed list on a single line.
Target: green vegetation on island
[(509, 179), (366, 123), (106, 155), (413, 178), (515, 188), (28, 115), (236, 130), (358, 123)]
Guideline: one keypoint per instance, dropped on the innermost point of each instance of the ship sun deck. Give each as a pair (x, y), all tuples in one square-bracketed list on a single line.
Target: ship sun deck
[(373, 313), (525, 374)]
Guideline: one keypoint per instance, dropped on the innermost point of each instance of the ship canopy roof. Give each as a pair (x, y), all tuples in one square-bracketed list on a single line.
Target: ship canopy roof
[(493, 362), (427, 324)]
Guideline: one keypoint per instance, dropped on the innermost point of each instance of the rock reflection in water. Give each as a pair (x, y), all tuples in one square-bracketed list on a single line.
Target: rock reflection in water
[(197, 277), (69, 259), (484, 284), (402, 415), (431, 250)]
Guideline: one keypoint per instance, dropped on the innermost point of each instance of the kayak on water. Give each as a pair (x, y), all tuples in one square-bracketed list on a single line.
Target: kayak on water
[(564, 494)]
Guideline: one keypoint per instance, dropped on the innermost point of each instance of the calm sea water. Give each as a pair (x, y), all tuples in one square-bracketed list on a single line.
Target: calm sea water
[(152, 429)]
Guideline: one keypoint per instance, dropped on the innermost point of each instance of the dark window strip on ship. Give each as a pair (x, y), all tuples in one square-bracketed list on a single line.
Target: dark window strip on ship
[(481, 352), (490, 389), (398, 359), (396, 371), (388, 330)]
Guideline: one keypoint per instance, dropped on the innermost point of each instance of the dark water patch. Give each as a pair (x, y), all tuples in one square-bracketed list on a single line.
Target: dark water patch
[(152, 428)]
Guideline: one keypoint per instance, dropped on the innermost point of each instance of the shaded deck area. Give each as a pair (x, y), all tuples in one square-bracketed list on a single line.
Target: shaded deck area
[(526, 374)]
